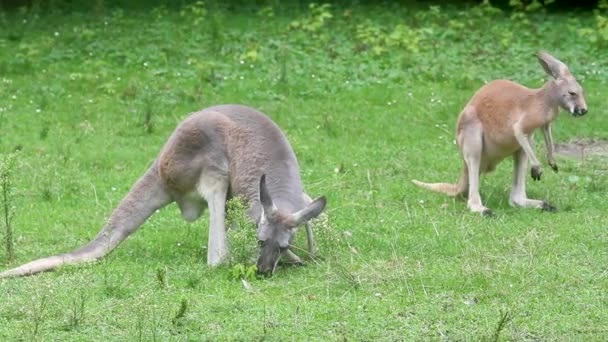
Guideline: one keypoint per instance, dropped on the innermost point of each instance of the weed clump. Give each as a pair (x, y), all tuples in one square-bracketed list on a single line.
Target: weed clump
[(330, 243), (241, 239), (333, 247)]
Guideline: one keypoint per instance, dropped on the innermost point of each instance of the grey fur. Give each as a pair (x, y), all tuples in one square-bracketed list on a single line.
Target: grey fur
[(214, 154)]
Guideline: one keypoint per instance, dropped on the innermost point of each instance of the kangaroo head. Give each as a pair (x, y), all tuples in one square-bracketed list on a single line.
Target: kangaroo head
[(277, 228), (566, 91)]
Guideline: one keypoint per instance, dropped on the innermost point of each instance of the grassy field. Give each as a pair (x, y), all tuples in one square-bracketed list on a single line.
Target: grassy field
[(368, 97)]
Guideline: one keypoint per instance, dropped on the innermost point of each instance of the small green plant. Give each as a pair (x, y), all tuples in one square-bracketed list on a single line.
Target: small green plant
[(241, 233), (522, 9), (196, 10), (318, 16), (485, 8), (266, 12), (148, 114), (193, 281), (181, 312), (372, 37), (333, 247), (529, 6), (282, 57), (241, 238), (241, 271), (38, 315), (329, 242), (597, 35), (504, 319), (7, 198), (139, 325), (404, 37), (99, 8), (44, 131), (77, 311), (161, 276)]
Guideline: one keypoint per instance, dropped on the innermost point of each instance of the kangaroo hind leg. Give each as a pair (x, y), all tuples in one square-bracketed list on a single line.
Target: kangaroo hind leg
[(470, 138), (214, 188)]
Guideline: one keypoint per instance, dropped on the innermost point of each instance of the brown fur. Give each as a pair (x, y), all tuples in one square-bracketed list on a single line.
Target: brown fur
[(499, 121)]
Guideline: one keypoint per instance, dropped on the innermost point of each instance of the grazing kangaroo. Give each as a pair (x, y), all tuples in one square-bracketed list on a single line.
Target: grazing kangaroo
[(219, 152), (499, 121)]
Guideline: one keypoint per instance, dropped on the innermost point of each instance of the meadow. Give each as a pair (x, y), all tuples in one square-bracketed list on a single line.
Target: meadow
[(368, 97)]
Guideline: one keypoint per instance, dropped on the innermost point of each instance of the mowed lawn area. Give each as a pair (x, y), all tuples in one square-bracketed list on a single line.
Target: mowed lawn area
[(368, 96)]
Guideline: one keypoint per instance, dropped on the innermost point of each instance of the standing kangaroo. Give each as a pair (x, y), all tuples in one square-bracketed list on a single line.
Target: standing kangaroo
[(219, 152), (499, 121)]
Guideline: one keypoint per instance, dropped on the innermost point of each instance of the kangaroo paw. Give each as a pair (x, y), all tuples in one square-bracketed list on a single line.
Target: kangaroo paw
[(553, 166), (548, 207)]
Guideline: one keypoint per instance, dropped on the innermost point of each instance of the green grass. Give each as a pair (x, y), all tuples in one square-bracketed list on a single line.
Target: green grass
[(368, 99)]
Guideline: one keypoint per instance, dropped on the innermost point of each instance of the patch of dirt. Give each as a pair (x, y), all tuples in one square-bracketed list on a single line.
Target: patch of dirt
[(583, 148)]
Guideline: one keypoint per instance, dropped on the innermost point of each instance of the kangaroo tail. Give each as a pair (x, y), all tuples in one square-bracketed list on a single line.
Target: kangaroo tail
[(447, 188), (145, 197)]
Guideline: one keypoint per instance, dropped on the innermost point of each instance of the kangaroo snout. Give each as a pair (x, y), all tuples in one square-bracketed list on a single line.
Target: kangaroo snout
[(265, 269), (580, 111), (265, 273), (268, 259)]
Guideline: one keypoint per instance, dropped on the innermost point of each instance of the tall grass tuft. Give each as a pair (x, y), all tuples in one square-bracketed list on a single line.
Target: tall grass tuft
[(181, 312), (77, 312), (7, 201)]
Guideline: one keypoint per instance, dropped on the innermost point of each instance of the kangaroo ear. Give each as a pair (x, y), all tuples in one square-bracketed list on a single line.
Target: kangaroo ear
[(265, 198), (311, 211), (552, 65)]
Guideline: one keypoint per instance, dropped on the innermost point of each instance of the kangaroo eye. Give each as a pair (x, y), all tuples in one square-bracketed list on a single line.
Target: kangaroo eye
[(572, 93)]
